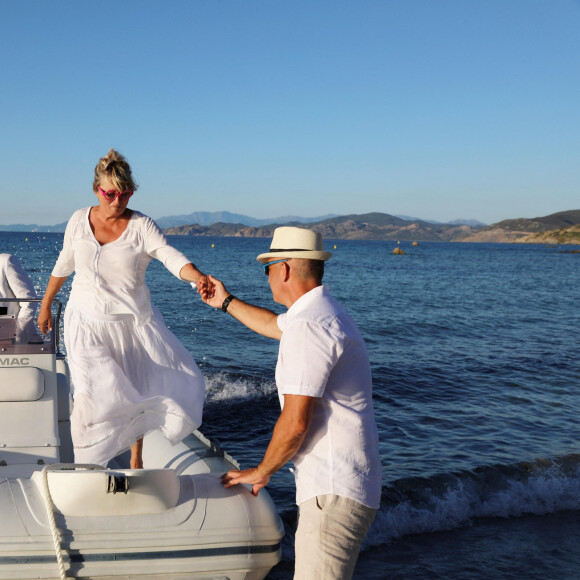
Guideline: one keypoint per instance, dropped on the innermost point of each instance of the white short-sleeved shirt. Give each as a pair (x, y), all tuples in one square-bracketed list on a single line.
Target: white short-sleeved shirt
[(110, 279), (15, 283), (323, 355)]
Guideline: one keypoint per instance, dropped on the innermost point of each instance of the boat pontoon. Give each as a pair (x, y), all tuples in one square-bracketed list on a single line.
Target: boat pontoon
[(171, 520)]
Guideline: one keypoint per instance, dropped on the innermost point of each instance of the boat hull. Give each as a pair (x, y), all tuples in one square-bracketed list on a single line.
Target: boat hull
[(172, 520), (199, 530)]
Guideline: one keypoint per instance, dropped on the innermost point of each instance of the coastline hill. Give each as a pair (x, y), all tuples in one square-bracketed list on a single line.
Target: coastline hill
[(208, 218), (538, 230), (202, 218), (370, 226), (558, 228), (569, 235), (58, 228)]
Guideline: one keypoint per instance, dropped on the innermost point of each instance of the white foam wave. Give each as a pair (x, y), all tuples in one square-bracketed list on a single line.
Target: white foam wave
[(224, 387), (460, 503), (546, 493)]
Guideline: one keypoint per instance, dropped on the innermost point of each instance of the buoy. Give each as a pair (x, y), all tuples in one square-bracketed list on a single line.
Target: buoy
[(415, 243), (335, 247), (213, 245), (25, 239), (399, 251)]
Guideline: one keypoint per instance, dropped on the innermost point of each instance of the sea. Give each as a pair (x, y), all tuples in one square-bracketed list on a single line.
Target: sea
[(475, 357)]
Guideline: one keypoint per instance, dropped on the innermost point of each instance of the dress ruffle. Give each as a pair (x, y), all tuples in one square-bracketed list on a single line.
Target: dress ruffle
[(128, 379)]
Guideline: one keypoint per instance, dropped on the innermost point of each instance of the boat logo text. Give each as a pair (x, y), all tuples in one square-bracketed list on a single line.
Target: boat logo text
[(14, 361)]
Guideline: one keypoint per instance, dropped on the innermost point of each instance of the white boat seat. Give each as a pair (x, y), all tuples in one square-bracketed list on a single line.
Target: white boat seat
[(21, 384), (28, 428)]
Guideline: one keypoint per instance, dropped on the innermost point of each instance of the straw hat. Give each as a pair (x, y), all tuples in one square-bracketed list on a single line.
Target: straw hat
[(289, 242)]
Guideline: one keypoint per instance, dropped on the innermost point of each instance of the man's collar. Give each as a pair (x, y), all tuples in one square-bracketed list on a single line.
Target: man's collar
[(307, 298)]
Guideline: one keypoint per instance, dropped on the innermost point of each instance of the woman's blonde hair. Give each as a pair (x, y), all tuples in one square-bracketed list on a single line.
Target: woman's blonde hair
[(117, 170)]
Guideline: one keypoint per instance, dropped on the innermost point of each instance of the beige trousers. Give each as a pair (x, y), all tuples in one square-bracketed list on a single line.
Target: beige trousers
[(330, 531)]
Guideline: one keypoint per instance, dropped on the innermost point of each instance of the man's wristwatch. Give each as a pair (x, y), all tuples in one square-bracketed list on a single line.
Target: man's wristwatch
[(226, 303)]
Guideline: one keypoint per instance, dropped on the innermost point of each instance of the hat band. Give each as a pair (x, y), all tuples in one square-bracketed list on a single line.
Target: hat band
[(293, 250)]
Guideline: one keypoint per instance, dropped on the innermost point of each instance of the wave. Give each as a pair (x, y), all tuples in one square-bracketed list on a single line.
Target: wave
[(223, 387), (450, 501)]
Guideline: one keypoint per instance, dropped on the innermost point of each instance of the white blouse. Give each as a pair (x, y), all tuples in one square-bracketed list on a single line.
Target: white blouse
[(110, 278)]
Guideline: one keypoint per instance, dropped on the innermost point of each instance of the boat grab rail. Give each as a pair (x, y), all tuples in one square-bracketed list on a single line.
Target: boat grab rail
[(49, 504)]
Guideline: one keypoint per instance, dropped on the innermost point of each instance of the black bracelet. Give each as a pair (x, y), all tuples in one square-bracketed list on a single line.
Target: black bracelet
[(226, 303)]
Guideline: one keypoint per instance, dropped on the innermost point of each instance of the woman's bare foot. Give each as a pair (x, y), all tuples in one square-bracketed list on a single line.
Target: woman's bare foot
[(137, 454)]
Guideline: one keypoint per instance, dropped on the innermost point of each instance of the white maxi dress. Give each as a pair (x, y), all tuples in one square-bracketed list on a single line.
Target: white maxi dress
[(130, 374)]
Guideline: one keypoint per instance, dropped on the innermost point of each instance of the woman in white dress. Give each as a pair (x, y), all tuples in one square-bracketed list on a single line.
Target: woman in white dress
[(129, 372)]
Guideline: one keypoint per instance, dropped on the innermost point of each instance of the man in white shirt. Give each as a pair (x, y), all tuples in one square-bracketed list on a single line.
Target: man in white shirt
[(15, 283), (327, 426)]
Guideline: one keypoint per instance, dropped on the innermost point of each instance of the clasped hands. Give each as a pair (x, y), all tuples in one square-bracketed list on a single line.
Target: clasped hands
[(212, 291)]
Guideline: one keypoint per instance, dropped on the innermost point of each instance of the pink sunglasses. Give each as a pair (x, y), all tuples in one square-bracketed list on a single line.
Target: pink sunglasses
[(112, 195)]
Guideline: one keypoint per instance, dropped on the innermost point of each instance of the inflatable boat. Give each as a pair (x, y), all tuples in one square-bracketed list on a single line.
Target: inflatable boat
[(171, 520)]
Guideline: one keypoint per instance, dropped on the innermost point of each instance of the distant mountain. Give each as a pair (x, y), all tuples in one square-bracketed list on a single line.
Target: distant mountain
[(463, 222), (59, 228), (207, 218), (517, 230), (457, 222), (371, 226), (409, 218), (203, 218)]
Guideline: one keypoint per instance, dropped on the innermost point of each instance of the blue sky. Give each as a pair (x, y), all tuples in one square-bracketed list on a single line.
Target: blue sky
[(439, 109)]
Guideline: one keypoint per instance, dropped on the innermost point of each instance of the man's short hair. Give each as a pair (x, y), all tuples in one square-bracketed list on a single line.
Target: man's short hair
[(307, 269)]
